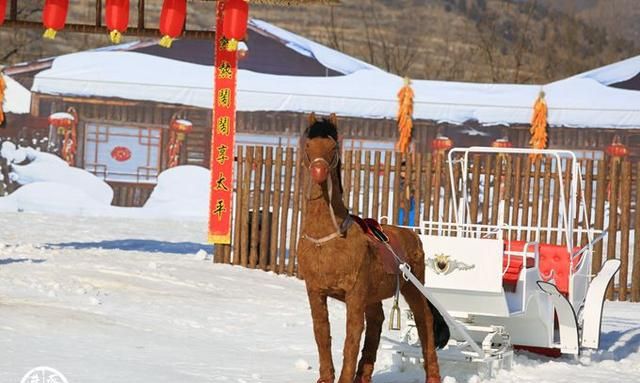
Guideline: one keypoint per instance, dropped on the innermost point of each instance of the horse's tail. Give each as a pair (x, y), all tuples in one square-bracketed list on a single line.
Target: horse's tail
[(440, 327)]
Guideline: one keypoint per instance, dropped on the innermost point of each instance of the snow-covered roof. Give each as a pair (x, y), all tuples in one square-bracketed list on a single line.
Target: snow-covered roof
[(17, 99), (613, 73), (362, 91)]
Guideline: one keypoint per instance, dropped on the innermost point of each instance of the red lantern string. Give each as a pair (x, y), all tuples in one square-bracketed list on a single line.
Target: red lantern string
[(234, 24), (117, 18), (54, 16), (172, 18)]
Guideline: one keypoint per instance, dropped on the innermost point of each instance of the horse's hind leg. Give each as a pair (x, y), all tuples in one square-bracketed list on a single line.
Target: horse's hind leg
[(424, 322), (374, 316)]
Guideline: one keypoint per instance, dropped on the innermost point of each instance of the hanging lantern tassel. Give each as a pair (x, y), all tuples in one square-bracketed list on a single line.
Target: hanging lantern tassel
[(117, 18), (172, 18), (234, 22), (405, 113), (54, 16), (2, 87), (539, 124)]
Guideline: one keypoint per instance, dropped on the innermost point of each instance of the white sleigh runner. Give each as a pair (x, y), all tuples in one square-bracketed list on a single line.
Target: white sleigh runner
[(496, 293)]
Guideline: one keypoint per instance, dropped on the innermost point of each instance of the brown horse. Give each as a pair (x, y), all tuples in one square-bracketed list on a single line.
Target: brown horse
[(338, 260)]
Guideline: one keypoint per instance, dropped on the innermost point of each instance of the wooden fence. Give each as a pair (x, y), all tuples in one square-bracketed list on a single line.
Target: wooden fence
[(269, 202)]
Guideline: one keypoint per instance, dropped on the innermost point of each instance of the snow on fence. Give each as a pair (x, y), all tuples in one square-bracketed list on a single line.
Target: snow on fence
[(269, 202)]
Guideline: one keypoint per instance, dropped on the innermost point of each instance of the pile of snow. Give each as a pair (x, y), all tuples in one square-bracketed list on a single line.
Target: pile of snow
[(182, 191), (49, 184)]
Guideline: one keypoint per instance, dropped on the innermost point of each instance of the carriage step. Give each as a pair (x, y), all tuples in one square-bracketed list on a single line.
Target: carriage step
[(567, 320), (592, 313)]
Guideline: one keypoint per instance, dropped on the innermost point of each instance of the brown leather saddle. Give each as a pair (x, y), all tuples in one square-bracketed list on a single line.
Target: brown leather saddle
[(385, 244)]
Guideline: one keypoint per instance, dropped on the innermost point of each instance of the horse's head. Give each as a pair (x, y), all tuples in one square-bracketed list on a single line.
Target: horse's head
[(320, 148)]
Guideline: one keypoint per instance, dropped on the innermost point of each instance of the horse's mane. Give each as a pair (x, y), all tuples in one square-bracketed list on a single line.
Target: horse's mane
[(324, 128)]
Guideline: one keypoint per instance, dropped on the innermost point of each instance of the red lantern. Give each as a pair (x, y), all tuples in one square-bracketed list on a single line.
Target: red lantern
[(172, 17), (182, 127), (441, 144), (62, 121), (234, 22), (617, 148), (502, 143), (3, 10), (117, 18), (54, 16)]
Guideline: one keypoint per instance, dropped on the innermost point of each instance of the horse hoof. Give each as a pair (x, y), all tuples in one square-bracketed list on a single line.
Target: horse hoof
[(361, 379), (434, 380), (324, 380)]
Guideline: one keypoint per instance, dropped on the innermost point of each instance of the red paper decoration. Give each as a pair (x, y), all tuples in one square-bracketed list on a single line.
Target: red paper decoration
[(54, 15), (117, 18), (234, 22), (172, 18), (3, 10), (617, 148), (121, 153)]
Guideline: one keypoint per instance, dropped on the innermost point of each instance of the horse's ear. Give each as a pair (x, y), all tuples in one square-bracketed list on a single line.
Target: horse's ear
[(333, 119), (312, 118)]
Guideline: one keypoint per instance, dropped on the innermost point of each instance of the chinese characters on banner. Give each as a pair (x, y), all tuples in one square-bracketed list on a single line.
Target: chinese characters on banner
[(222, 137)]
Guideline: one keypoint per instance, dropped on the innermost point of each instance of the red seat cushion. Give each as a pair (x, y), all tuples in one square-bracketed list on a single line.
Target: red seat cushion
[(514, 264), (555, 261)]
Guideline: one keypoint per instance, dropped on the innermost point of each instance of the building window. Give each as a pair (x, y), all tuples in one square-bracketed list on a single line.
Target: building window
[(122, 153)]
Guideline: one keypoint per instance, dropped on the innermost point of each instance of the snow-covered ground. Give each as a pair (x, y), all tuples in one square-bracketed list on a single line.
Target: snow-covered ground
[(126, 300)]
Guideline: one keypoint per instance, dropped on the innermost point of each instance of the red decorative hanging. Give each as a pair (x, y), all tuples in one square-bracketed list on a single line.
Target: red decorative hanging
[(617, 149), (502, 143), (178, 129), (172, 18), (441, 144), (117, 18), (121, 153), (66, 123), (3, 10), (54, 15), (234, 22)]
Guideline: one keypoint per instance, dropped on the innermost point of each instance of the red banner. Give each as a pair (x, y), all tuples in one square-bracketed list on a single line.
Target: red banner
[(222, 136)]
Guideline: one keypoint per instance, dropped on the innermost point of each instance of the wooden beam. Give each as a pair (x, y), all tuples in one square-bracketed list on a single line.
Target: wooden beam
[(98, 13), (86, 28), (13, 12), (140, 15)]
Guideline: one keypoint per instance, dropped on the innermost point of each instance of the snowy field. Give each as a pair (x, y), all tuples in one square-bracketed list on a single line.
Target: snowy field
[(125, 300)]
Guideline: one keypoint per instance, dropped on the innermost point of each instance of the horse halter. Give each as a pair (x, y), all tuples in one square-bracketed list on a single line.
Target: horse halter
[(340, 230)]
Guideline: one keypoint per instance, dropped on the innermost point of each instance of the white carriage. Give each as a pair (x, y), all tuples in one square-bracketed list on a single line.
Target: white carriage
[(497, 293)]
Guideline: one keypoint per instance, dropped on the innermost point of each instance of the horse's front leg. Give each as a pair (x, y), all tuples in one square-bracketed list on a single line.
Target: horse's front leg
[(322, 333), (355, 301)]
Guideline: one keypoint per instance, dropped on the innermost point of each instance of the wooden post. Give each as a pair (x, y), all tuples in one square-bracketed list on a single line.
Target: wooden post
[(437, 178), (375, 206), (397, 193), (418, 190), (625, 209), (588, 196), (601, 192), (255, 217), (386, 180), (613, 216), (546, 200), (475, 188), (428, 190), (297, 200), (244, 218), (275, 218), (486, 190), (286, 197), (266, 204), (346, 177), (355, 208), (635, 276), (367, 179)]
